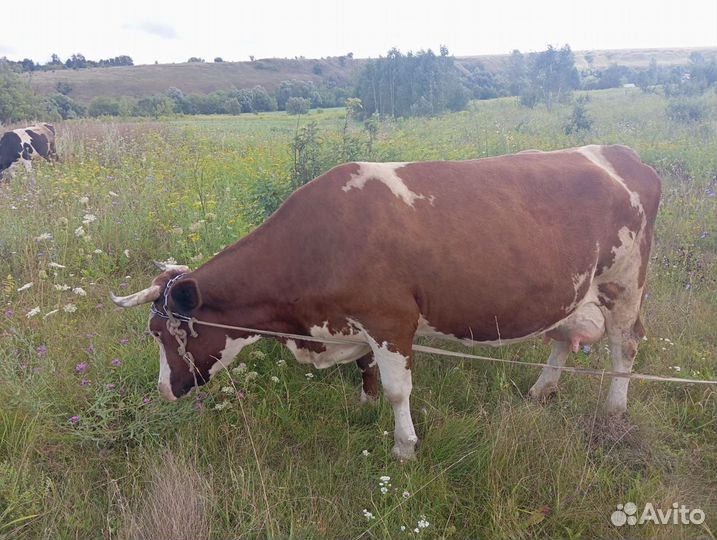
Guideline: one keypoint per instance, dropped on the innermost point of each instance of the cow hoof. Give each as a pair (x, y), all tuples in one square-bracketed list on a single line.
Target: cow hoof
[(368, 398), (405, 451), (542, 394)]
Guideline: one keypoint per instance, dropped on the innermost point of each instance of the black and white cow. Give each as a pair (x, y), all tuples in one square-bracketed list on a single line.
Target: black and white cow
[(24, 144)]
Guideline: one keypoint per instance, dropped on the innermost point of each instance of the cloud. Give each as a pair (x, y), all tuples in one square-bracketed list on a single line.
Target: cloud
[(155, 28)]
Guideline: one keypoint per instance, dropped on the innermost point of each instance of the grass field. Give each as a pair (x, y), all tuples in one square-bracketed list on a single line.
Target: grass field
[(88, 449)]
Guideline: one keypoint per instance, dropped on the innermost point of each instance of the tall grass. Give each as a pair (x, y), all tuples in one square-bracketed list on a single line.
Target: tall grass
[(87, 448)]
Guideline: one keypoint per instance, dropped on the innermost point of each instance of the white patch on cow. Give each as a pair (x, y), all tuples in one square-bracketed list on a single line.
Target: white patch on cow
[(594, 153), (164, 384), (425, 329), (397, 385), (386, 174), (232, 348), (334, 353)]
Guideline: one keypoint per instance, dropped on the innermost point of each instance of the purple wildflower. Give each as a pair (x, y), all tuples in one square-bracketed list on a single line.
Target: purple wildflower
[(36, 370), (9, 313), (110, 386), (146, 400), (23, 366), (42, 351), (704, 234), (81, 367), (586, 349), (85, 382), (74, 420), (116, 362), (90, 349), (99, 306), (124, 341)]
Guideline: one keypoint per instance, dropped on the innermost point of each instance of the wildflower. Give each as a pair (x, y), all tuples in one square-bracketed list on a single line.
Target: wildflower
[(81, 367), (403, 528), (69, 308), (98, 251), (423, 523), (43, 237), (367, 514), (79, 291), (126, 253), (274, 379), (113, 194), (586, 349), (85, 382), (239, 369), (221, 406), (42, 351), (80, 231), (116, 362), (384, 490), (385, 433), (34, 311), (74, 420), (676, 368), (309, 376), (90, 349), (146, 400), (83, 200), (257, 355), (251, 375), (89, 218), (406, 494), (281, 362), (25, 287), (9, 313), (59, 287), (49, 313), (124, 341), (194, 227), (704, 234), (227, 390), (417, 530), (365, 453), (110, 386)]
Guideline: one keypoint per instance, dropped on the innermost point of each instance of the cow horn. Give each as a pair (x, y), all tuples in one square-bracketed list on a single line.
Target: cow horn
[(166, 266), (145, 296)]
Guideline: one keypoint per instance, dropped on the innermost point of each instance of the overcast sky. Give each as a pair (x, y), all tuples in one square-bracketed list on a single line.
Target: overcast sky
[(172, 31)]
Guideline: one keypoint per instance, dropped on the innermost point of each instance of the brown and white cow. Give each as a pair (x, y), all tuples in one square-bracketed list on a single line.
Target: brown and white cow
[(497, 250), (25, 144)]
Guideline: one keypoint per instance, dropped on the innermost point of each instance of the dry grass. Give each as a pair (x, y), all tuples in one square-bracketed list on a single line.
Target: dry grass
[(176, 503)]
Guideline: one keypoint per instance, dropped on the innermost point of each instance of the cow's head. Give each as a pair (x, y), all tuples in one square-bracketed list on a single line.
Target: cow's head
[(176, 291)]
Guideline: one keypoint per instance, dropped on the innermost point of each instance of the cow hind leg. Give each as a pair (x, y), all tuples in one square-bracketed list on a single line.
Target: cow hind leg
[(369, 378), (547, 383), (624, 335)]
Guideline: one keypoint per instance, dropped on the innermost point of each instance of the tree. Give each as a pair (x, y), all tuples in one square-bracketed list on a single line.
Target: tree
[(181, 104), (218, 59), (195, 59), (261, 100), (297, 105), (64, 106), (63, 87), (155, 106), (552, 76), (104, 106), (516, 73), (17, 102), (579, 120)]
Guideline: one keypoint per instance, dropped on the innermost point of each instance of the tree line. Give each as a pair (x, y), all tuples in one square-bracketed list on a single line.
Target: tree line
[(395, 85), (76, 61)]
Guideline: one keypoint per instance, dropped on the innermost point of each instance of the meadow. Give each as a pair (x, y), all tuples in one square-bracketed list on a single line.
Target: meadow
[(88, 449)]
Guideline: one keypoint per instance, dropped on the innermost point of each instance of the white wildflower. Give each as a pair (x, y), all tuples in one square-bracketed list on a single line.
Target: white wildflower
[(309, 376), (365, 453), (89, 218), (367, 514), (98, 251), (34, 311), (385, 479), (43, 236), (406, 494), (241, 368), (385, 433), (79, 291), (227, 389), (113, 194), (69, 308), (251, 375), (55, 265), (403, 528), (84, 200), (384, 490), (80, 231), (223, 405), (423, 523), (417, 530), (257, 355), (59, 287), (676, 368), (281, 362), (274, 379), (50, 313), (195, 227), (25, 287), (126, 253)]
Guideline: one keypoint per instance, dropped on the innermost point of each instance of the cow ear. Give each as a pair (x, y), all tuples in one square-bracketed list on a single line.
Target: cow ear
[(185, 296)]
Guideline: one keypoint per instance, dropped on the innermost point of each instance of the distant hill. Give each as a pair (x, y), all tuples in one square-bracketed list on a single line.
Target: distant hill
[(203, 78)]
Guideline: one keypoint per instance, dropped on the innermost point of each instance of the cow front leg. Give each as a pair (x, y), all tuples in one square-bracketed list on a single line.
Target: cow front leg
[(369, 378), (395, 368)]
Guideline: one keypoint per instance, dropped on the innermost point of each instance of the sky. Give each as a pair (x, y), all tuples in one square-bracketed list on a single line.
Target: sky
[(173, 31)]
